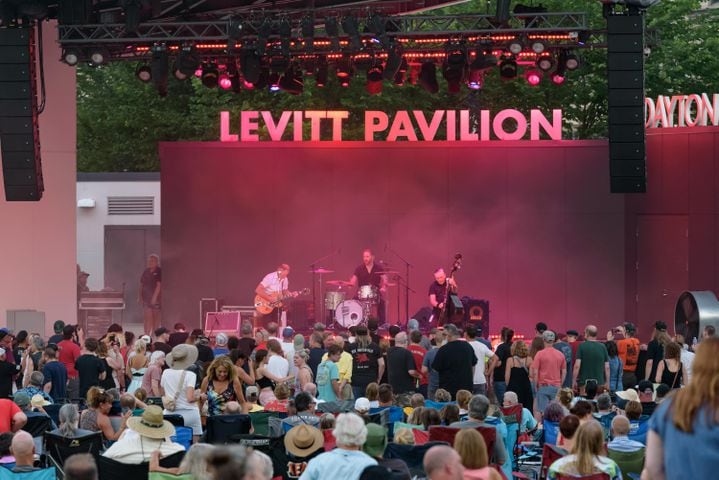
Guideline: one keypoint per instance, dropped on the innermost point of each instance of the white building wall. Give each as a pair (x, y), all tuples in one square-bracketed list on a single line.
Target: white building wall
[(91, 221)]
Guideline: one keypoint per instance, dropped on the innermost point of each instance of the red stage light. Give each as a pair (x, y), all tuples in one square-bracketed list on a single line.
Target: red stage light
[(533, 77), (225, 82), (558, 78)]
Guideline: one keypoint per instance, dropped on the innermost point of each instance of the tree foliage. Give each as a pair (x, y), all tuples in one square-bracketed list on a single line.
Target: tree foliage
[(121, 120)]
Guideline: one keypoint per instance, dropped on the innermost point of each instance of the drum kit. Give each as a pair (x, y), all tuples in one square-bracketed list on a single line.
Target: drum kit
[(350, 312)]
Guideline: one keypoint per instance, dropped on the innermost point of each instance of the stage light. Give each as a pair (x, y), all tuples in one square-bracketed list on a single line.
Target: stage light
[(583, 37), (538, 46), (292, 81), (455, 67), (274, 82), (558, 78), (144, 73), (322, 72), (377, 24), (508, 68), (333, 32), (224, 81), (534, 77), (308, 32), (375, 74), (160, 66), (545, 62), (428, 77), (72, 56), (569, 60), (186, 63), (350, 25), (99, 56), (263, 35), (209, 75), (483, 60), (250, 66), (515, 46)]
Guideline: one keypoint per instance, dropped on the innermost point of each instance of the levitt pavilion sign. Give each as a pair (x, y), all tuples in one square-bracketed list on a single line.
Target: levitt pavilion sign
[(404, 125)]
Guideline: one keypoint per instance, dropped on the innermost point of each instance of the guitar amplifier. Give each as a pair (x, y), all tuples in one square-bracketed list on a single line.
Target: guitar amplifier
[(476, 312), (225, 322)]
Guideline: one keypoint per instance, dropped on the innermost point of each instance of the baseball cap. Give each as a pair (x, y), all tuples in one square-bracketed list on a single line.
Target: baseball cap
[(288, 332), (661, 326), (573, 333), (362, 404), (251, 390), (412, 324), (21, 399), (645, 385), (160, 331), (548, 336), (361, 330), (629, 327), (146, 339)]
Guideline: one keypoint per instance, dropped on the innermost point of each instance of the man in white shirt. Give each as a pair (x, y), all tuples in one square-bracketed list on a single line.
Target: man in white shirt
[(277, 364), (273, 287), (153, 432), (483, 355)]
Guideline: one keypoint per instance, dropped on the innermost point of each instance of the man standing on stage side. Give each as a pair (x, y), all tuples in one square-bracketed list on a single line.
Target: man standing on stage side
[(371, 274), (273, 287), (437, 293), (149, 294)]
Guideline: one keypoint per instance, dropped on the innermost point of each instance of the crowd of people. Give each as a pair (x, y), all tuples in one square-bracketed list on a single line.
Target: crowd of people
[(355, 404)]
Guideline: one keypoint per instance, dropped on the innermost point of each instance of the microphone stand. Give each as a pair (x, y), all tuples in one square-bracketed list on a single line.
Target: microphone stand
[(407, 288), (313, 267)]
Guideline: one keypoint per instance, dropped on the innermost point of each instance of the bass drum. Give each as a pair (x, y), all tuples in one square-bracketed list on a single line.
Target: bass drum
[(332, 299), (348, 313)]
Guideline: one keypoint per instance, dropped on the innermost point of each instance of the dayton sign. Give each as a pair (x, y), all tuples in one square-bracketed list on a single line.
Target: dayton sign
[(404, 125), (682, 111)]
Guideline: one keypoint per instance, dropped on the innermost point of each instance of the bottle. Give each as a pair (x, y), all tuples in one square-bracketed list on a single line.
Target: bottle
[(694, 344)]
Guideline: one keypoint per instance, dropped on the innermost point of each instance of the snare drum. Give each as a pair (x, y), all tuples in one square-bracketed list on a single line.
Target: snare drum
[(332, 299), (368, 293), (349, 313)]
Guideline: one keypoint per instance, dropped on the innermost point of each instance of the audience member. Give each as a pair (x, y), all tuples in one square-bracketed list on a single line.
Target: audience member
[(418, 353), (442, 396), (162, 340), (655, 350), (264, 379), (592, 361), (362, 406), (517, 368), (32, 410), (328, 376), (36, 381), (347, 461), (403, 436), (89, 367), (432, 374), (497, 366), (80, 466), (179, 335), (154, 433), (566, 350), (555, 412), (401, 371), (68, 353), (463, 398), (317, 351), (586, 456), (221, 385), (548, 371), (430, 417), (662, 391), (442, 462), (54, 374), (344, 369), (305, 405), (327, 421), (23, 449), (153, 375), (303, 373), (367, 362), (178, 384), (565, 397), (6, 458), (57, 328), (252, 396), (472, 449), (527, 422), (95, 418), (628, 351), (455, 362), (567, 429), (584, 410), (620, 436), (375, 445), (259, 466), (478, 410), (670, 371), (683, 432), (12, 418), (8, 371), (616, 367), (372, 394), (282, 399), (449, 414)]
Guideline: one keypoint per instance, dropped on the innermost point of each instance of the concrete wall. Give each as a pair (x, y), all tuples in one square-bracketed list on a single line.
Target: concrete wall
[(91, 221), (37, 245)]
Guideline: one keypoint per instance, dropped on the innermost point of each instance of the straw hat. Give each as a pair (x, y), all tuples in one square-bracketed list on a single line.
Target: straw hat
[(629, 395), (38, 400), (151, 424), (303, 440), (182, 356)]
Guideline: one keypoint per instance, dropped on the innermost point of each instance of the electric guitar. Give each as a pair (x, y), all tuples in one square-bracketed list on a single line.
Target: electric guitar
[(264, 306)]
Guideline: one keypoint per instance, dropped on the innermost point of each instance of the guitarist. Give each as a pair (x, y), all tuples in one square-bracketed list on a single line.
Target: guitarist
[(272, 288), (438, 293)]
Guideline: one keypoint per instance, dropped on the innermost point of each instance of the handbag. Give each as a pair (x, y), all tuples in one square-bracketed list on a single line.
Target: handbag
[(169, 403)]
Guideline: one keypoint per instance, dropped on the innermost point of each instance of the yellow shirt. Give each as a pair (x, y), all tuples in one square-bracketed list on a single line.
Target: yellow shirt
[(344, 366)]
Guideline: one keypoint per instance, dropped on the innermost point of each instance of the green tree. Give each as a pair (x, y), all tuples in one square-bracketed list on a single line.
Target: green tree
[(121, 120)]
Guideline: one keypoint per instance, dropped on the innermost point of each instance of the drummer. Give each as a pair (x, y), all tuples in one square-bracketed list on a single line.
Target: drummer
[(370, 275)]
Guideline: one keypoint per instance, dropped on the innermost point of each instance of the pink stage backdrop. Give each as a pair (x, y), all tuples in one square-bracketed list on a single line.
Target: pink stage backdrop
[(542, 237)]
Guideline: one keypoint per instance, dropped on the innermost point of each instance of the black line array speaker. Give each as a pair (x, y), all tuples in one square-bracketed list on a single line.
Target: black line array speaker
[(19, 135), (625, 79)]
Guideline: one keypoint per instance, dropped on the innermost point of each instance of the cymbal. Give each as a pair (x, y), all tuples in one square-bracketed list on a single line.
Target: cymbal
[(390, 284), (390, 272), (321, 271), (338, 283)]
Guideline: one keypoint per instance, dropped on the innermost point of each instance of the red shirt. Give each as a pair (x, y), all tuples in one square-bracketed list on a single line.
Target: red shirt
[(68, 353), (418, 353), (549, 363), (8, 409), (575, 345)]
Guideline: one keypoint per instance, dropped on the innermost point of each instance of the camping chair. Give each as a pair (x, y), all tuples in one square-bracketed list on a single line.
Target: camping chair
[(594, 476), (394, 414), (550, 454), (58, 448), (551, 432), (330, 440), (638, 429), (44, 474), (260, 421), (512, 417), (221, 427), (413, 455), (273, 447), (175, 419), (629, 462), (183, 436), (36, 426), (53, 410), (110, 469)]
